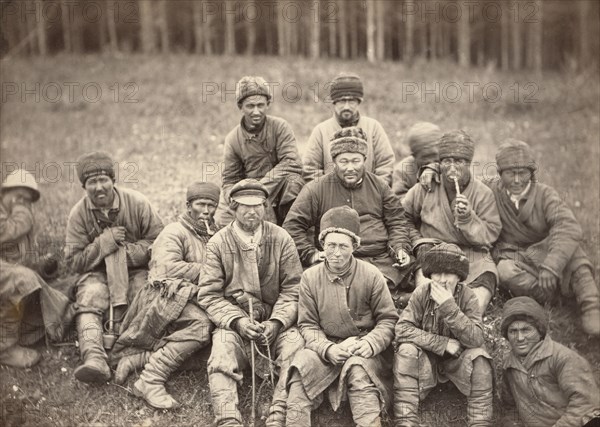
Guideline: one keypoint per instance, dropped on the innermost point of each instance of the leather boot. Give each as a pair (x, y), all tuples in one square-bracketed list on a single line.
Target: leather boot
[(95, 367), (129, 364), (480, 403), (11, 353), (363, 397), (406, 386), (163, 362), (299, 405), (588, 299), (224, 399)]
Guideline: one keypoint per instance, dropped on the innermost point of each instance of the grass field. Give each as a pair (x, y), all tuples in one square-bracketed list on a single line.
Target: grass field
[(55, 109)]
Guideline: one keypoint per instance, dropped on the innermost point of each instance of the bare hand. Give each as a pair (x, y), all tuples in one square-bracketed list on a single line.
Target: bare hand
[(427, 179), (271, 330), (317, 257), (248, 329), (117, 233), (462, 206), (453, 348), (337, 355), (548, 281), (439, 293), (361, 349), (403, 258)]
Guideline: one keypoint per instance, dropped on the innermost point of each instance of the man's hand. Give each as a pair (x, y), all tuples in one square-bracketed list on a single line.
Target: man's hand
[(337, 355), (317, 257), (247, 329), (548, 281), (271, 330), (117, 233), (403, 258), (428, 179), (453, 348), (361, 349), (462, 207), (439, 293)]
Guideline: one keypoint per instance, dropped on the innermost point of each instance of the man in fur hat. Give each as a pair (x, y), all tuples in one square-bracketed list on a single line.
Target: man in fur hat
[(108, 238), (468, 217), (261, 147), (544, 383), (28, 305), (439, 338), (346, 94), (249, 288), (384, 230), (164, 326), (346, 353), (539, 248)]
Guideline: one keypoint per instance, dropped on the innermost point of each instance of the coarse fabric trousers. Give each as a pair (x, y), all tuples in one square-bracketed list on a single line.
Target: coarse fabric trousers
[(417, 372), (229, 356)]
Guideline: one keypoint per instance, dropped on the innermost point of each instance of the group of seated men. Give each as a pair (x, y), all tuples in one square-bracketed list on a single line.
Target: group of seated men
[(397, 274)]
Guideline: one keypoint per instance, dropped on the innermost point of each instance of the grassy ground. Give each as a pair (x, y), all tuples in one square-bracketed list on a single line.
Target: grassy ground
[(173, 134)]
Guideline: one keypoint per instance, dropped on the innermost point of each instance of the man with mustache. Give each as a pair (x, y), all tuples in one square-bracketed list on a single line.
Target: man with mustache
[(384, 230), (249, 288), (544, 383), (108, 238), (539, 249), (261, 147), (468, 217), (440, 338), (346, 94), (164, 326), (28, 305)]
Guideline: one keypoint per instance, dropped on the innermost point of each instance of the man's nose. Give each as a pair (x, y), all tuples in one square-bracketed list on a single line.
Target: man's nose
[(520, 336)]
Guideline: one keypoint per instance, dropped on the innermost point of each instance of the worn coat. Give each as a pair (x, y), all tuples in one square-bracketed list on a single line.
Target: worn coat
[(383, 227), (405, 176), (553, 386), (542, 233), (428, 326), (380, 155), (232, 265), (334, 308), (433, 217)]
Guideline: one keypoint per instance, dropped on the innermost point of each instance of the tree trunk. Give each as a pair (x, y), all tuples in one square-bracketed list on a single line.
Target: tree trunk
[(147, 36), (251, 23), (584, 31), (353, 18), (281, 32), (315, 33), (371, 48), (409, 32), (517, 38), (537, 39), (229, 27), (380, 9), (66, 26), (504, 37), (464, 40), (433, 38), (332, 32), (111, 24), (343, 29), (40, 27), (197, 25)]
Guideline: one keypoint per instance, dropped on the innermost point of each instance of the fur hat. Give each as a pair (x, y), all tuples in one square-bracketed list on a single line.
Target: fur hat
[(21, 178), (249, 192), (348, 140), (250, 86), (527, 309), (513, 153), (203, 190), (423, 138), (456, 144), (445, 258), (346, 85), (342, 219), (94, 164)]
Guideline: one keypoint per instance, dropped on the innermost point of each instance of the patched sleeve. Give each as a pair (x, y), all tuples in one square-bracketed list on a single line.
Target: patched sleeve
[(290, 270), (313, 156), (383, 154), (168, 258), (150, 224), (465, 326), (483, 226), (309, 320), (300, 218), (233, 168), (384, 314)]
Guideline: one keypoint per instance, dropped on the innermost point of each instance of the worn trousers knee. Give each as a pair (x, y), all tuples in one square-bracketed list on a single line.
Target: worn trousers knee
[(363, 397), (299, 405)]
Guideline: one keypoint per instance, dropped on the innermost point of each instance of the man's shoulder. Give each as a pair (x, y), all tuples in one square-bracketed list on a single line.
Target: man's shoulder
[(278, 122), (232, 135), (131, 196), (481, 188), (326, 126), (276, 232), (367, 270), (174, 228)]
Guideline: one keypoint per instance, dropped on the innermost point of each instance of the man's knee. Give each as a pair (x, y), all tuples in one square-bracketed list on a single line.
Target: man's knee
[(358, 379), (92, 295), (227, 350), (406, 360)]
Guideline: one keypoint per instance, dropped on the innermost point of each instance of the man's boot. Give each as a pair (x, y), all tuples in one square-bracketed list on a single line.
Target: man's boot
[(480, 403), (129, 364), (363, 397), (588, 299), (162, 363), (11, 353), (224, 398), (95, 367), (406, 386)]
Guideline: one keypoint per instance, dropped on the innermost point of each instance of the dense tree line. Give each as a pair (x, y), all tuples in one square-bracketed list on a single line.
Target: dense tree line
[(513, 34)]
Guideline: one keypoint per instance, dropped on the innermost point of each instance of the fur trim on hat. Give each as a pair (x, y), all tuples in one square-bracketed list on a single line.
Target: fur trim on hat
[(340, 230), (526, 309), (445, 258), (93, 164), (513, 153), (203, 190), (456, 144), (250, 86), (346, 85), (423, 136)]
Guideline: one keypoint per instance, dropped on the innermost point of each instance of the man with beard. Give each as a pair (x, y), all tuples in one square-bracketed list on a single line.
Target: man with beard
[(261, 147), (539, 248), (384, 230), (462, 210), (249, 288), (346, 94), (544, 383), (28, 305), (109, 233), (164, 325)]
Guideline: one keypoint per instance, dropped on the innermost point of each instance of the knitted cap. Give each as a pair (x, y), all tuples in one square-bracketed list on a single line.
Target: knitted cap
[(94, 164), (513, 153), (445, 258), (348, 140), (456, 144), (249, 192), (342, 219), (346, 85), (250, 86), (20, 178), (527, 309), (203, 190), (423, 138)]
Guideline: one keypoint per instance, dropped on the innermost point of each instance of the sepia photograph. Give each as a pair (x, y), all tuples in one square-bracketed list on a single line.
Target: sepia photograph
[(270, 213)]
